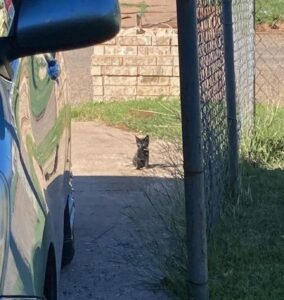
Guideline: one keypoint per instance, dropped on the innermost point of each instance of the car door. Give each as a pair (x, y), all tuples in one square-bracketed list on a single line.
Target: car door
[(39, 127)]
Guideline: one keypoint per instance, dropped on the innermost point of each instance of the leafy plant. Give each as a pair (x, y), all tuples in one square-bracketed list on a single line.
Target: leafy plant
[(142, 6), (267, 145)]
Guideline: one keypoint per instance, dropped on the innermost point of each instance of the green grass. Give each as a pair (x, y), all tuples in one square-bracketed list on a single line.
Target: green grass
[(157, 118), (142, 6), (267, 147), (269, 11), (246, 257)]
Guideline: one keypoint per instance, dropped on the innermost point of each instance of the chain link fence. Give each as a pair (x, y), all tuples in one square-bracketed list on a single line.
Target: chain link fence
[(213, 105), (213, 92), (259, 79), (244, 43), (269, 77)]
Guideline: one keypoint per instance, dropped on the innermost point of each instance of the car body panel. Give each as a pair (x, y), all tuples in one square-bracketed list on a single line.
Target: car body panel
[(35, 161), (35, 137)]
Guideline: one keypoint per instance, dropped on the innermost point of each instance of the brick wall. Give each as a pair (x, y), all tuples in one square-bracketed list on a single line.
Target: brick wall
[(134, 66)]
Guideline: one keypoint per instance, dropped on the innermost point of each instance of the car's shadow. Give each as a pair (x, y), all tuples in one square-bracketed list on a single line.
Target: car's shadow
[(107, 236)]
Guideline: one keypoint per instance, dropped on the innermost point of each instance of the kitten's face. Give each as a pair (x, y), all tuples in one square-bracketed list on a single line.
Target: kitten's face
[(142, 143)]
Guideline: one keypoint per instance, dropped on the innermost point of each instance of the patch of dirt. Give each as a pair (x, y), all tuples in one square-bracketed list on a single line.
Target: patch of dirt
[(154, 13), (279, 27), (162, 13), (142, 114), (122, 127)]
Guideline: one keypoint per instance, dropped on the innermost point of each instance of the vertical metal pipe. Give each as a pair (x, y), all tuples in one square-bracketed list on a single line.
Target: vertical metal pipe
[(254, 73), (231, 95), (192, 150)]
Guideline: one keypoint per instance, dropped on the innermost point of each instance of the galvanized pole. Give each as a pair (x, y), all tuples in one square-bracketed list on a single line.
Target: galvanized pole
[(192, 150), (231, 95), (254, 73)]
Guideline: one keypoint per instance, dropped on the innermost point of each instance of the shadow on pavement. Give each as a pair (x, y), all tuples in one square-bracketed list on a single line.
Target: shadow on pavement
[(104, 239)]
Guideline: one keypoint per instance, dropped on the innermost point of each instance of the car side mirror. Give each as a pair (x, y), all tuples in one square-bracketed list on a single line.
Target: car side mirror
[(55, 25)]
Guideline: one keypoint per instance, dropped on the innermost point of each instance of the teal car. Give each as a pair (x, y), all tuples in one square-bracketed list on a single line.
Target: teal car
[(36, 203)]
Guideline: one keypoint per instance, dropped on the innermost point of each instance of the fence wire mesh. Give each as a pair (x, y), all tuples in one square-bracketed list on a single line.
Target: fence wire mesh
[(269, 77), (213, 91), (213, 105), (244, 41)]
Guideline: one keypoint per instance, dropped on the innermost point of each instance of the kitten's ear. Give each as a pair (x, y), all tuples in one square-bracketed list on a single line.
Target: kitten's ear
[(146, 141), (138, 141)]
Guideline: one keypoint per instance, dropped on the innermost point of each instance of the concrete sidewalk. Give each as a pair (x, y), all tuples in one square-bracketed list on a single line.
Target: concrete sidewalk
[(106, 183)]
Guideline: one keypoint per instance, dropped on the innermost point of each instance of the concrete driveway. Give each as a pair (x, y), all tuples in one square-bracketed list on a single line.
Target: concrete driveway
[(106, 183)]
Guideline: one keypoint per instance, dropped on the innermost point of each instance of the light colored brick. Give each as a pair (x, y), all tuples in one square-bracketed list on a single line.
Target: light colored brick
[(152, 90), (153, 80), (99, 50), (176, 61), (120, 80), (97, 80), (118, 91), (96, 70), (120, 71), (174, 50), (155, 71), (174, 40), (142, 50), (106, 61), (165, 60), (174, 91), (121, 50), (176, 71), (98, 98), (139, 61), (175, 81), (172, 97), (159, 50), (160, 97), (134, 40), (110, 42), (120, 98), (161, 41), (98, 90)]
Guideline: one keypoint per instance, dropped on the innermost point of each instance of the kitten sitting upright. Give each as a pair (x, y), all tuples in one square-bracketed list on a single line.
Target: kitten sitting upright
[(141, 158)]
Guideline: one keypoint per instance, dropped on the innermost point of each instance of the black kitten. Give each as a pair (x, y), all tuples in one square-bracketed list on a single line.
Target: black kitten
[(141, 158)]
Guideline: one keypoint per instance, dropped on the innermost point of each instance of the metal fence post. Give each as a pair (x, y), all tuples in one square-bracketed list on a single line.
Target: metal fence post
[(254, 76), (192, 149), (231, 95)]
